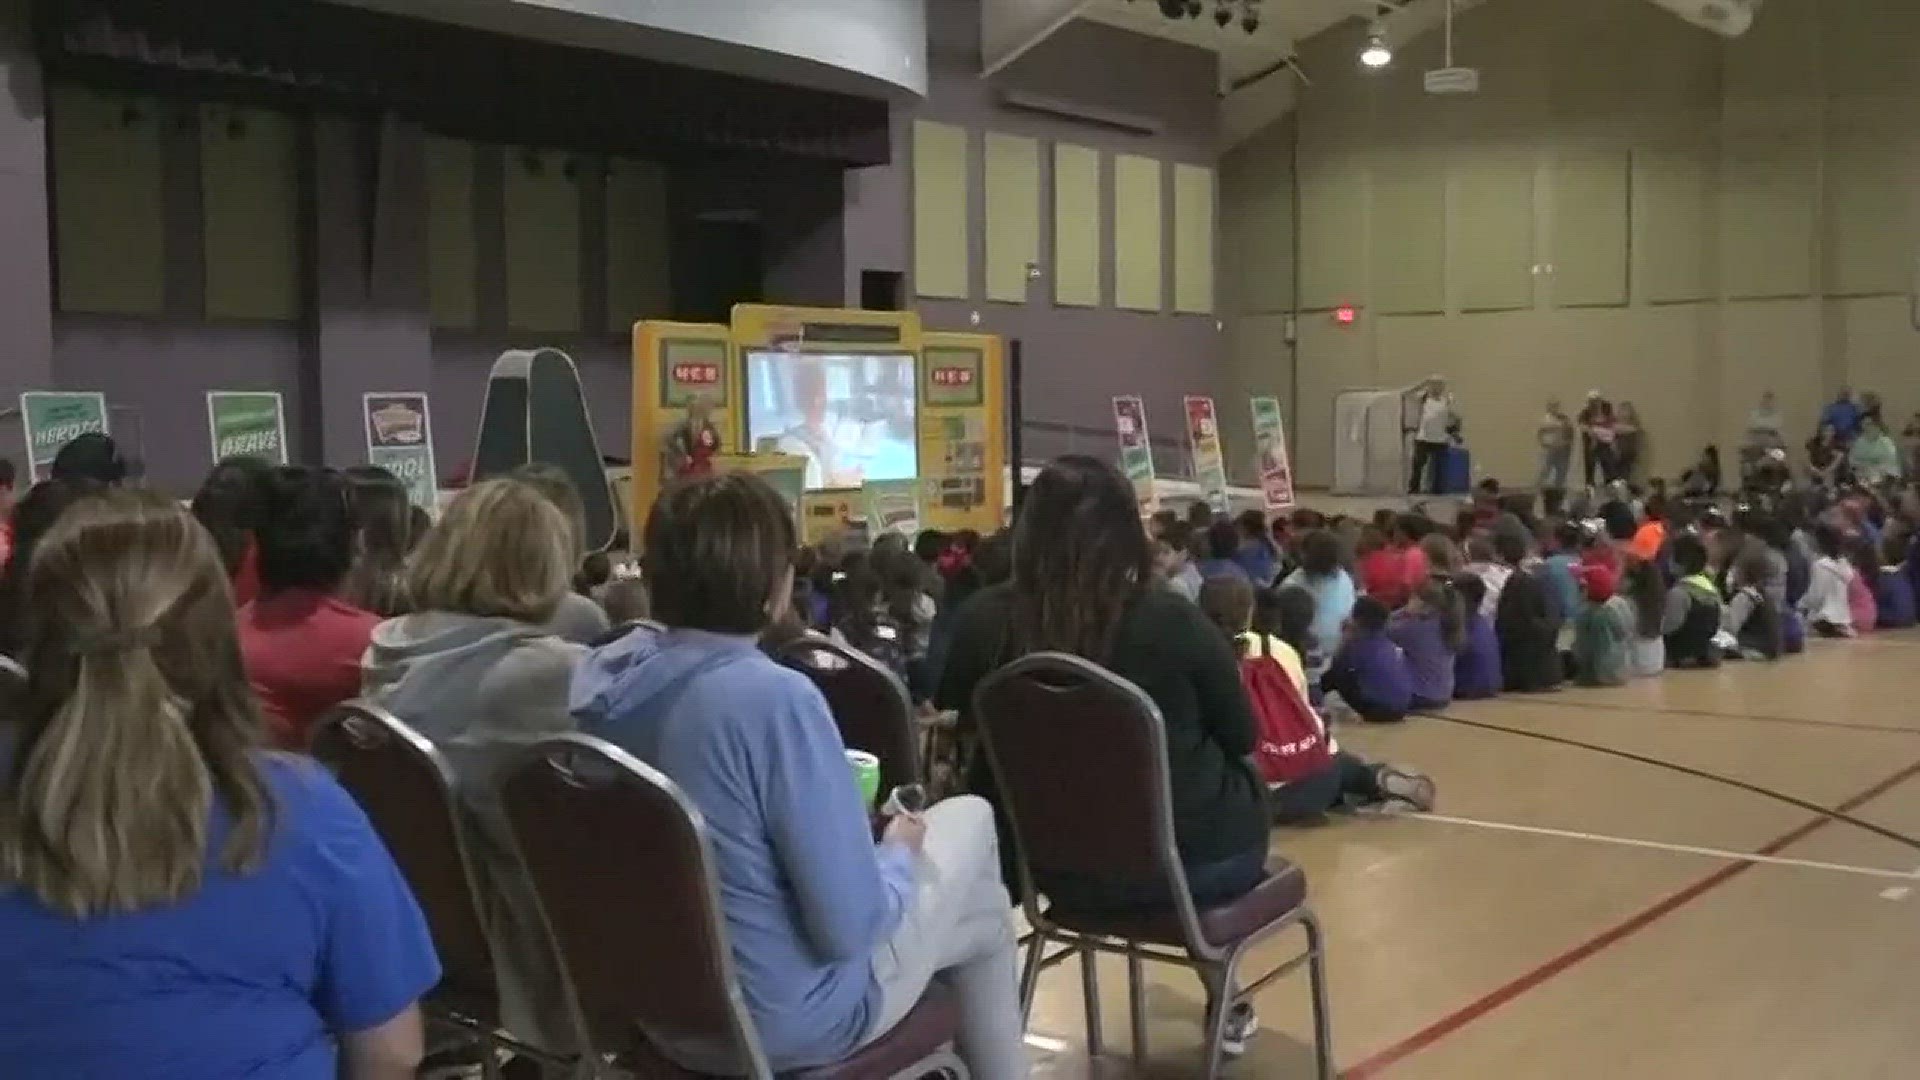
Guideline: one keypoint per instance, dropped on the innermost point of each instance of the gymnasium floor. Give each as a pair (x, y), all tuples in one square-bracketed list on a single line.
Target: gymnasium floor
[(1571, 914)]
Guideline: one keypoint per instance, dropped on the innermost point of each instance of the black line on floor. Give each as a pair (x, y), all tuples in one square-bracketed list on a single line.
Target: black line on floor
[(1688, 770), (1562, 701)]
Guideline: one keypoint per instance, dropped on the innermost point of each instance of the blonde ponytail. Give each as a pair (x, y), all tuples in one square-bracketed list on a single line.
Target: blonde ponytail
[(136, 716), (111, 816)]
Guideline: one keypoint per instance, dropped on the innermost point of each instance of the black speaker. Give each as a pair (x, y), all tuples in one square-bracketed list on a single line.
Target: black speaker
[(536, 411)]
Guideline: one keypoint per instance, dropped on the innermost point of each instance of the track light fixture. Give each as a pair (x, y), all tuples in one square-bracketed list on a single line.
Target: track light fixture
[(1224, 12), (1376, 53)]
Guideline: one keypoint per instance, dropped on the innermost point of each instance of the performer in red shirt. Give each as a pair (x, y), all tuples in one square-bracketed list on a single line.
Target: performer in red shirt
[(693, 442)]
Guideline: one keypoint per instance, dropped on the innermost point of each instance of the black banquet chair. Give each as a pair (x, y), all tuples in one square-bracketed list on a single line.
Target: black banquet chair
[(406, 788), (1110, 816), (870, 704), (622, 864)]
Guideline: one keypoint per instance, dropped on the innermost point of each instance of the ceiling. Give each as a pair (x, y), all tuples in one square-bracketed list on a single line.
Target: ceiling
[(1242, 55)]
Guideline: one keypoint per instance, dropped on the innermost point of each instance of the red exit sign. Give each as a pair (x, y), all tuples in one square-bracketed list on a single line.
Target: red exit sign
[(696, 373), (952, 376)]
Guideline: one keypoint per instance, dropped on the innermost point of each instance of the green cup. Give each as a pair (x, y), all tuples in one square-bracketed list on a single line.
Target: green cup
[(866, 773)]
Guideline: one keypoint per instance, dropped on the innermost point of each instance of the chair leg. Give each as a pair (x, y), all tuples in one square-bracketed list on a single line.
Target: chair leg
[(1090, 987), (1219, 984), (1030, 975), (1137, 1003), (1317, 986)]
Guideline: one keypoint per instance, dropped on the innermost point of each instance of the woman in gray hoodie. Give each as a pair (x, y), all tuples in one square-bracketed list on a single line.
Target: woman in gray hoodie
[(476, 670)]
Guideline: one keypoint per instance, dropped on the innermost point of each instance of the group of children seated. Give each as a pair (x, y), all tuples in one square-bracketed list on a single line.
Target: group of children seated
[(1406, 614)]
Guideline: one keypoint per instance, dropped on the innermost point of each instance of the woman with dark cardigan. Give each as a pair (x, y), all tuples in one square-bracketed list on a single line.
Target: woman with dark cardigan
[(1083, 584)]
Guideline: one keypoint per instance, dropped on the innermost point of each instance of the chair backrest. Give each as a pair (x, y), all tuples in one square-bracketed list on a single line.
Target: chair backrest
[(870, 705), (406, 788), (1080, 756), (620, 859)]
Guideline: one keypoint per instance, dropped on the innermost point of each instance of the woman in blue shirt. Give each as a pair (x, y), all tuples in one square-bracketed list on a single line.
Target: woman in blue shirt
[(835, 937), (173, 904)]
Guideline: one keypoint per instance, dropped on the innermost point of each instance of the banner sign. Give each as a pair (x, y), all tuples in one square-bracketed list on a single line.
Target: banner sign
[(400, 441), (53, 418), (1203, 440), (893, 506), (247, 423), (1136, 453), (1270, 447)]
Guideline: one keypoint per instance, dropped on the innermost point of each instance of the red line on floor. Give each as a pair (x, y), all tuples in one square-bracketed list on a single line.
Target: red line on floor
[(1474, 1010)]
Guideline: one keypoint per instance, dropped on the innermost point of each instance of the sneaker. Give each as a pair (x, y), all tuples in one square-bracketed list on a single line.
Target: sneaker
[(1242, 1026), (1410, 788)]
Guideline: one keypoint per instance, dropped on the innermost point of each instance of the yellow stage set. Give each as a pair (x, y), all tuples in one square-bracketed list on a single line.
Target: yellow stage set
[(856, 416)]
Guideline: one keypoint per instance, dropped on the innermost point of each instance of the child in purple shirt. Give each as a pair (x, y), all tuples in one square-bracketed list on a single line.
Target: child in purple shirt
[(1429, 633), (1476, 669), (1370, 673)]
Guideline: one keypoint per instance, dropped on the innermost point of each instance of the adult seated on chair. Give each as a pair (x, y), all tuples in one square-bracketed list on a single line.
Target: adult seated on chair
[(578, 618), (33, 517), (1083, 584), (478, 670), (300, 641), (173, 903), (835, 938), (233, 503)]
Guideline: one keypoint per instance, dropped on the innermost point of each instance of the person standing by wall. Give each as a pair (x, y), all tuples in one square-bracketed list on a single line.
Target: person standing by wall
[(1842, 415), (1629, 442), (1432, 435), (1596, 438), (1556, 447), (1766, 430)]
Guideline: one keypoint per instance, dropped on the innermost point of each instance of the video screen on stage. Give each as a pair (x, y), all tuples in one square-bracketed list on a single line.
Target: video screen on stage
[(850, 415)]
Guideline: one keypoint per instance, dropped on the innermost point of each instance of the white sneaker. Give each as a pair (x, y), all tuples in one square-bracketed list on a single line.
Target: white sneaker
[(1242, 1026)]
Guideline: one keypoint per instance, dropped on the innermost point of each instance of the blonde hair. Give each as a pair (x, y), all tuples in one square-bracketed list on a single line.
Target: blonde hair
[(502, 549), (136, 716)]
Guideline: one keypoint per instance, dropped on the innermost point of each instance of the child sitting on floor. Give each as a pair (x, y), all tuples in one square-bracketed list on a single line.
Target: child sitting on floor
[(1825, 602), (1525, 621), (1750, 628), (1560, 570), (1430, 634), (1654, 617), (1348, 780), (1601, 632), (1862, 591), (1476, 669), (1482, 563), (1370, 673), (1694, 608), (1893, 592)]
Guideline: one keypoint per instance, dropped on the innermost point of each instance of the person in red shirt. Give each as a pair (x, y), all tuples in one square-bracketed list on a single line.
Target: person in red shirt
[(1382, 569), (693, 442), (1408, 531), (6, 509), (300, 643)]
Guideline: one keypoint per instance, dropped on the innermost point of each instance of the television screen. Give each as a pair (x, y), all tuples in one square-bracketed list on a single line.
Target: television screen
[(850, 415)]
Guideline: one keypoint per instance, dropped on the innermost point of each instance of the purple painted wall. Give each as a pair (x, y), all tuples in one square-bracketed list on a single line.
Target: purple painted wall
[(1076, 358), (26, 329)]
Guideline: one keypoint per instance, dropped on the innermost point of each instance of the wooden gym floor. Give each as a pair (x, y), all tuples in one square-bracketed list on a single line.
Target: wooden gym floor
[(1567, 913)]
